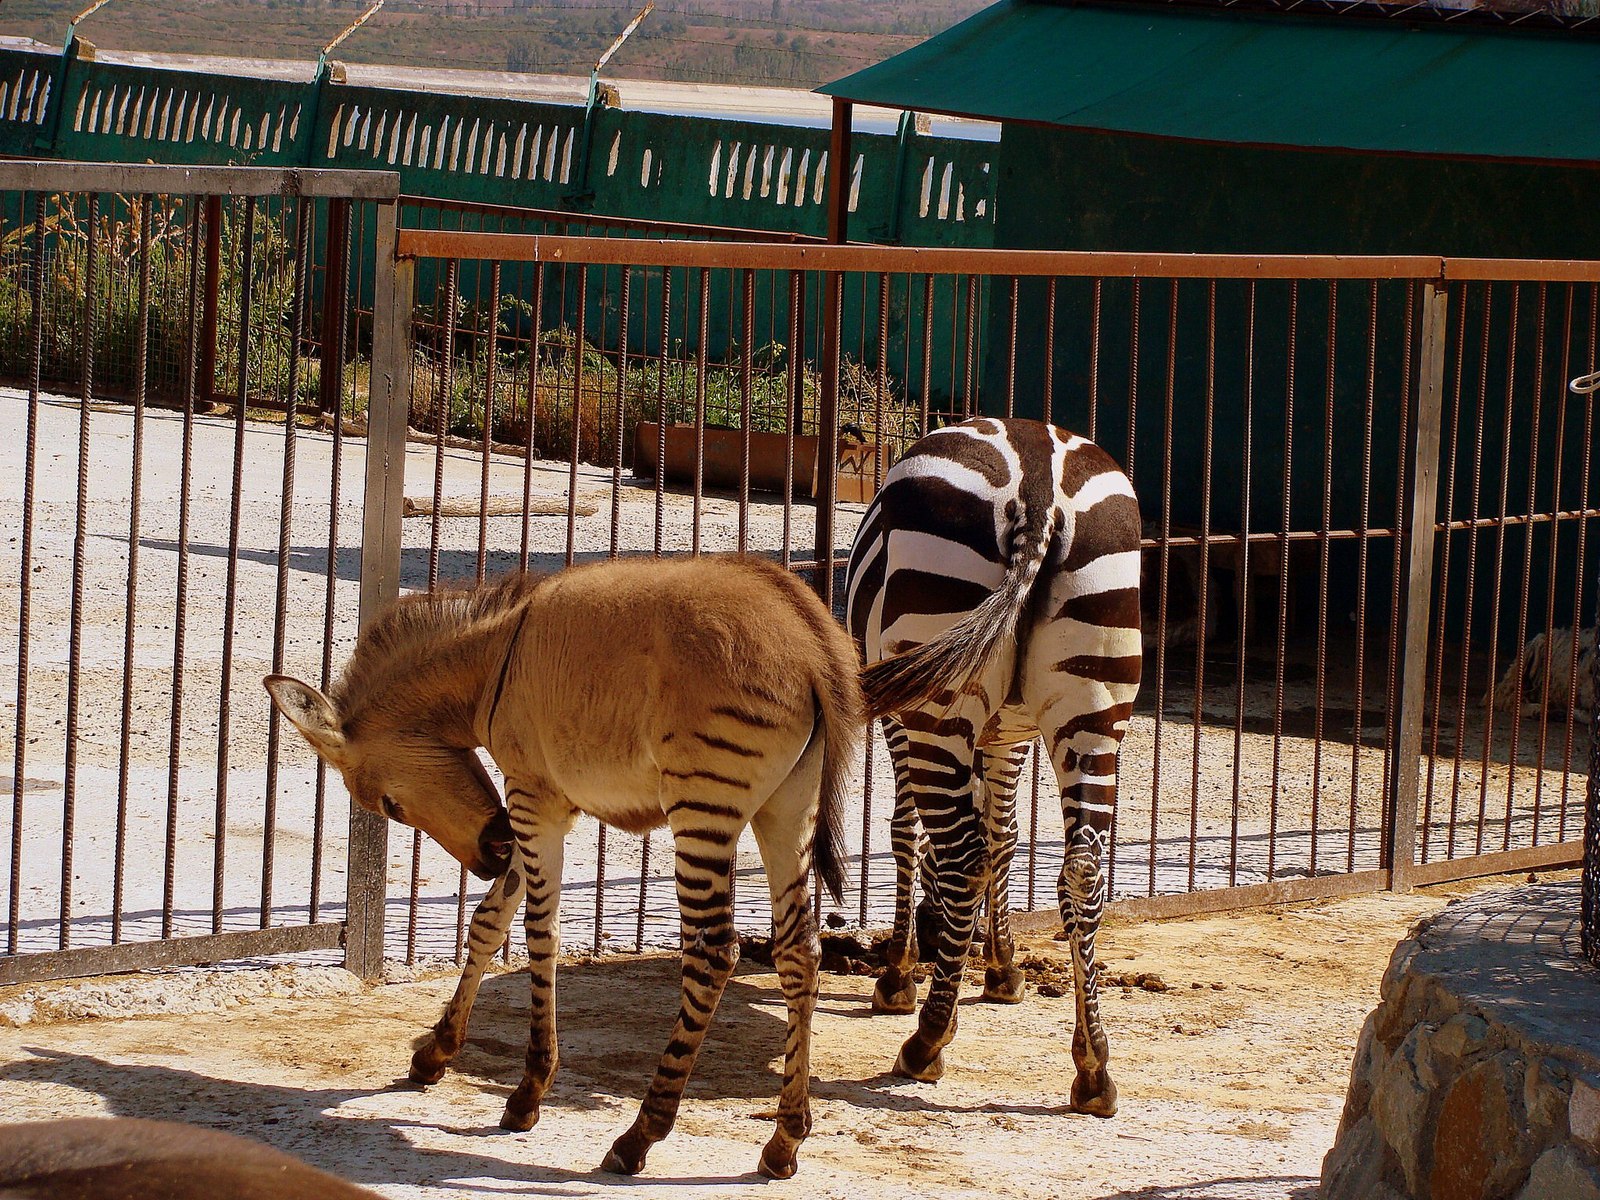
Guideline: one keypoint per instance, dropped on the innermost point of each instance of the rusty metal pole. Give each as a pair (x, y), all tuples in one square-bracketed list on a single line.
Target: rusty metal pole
[(1399, 855), (1590, 924), (839, 176), (388, 406), (331, 379), (208, 311)]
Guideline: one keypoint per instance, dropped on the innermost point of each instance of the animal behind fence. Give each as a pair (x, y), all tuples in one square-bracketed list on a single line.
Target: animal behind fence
[(707, 694), (994, 587), (1554, 674)]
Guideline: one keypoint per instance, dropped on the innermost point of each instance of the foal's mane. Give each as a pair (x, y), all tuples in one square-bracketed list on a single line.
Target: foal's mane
[(417, 635)]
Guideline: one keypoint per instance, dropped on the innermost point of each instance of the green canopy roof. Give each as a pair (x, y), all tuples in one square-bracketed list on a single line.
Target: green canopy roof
[(1438, 87)]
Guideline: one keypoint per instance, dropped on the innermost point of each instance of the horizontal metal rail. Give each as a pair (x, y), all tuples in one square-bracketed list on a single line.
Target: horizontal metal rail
[(604, 251), (171, 952), (32, 175), (897, 260)]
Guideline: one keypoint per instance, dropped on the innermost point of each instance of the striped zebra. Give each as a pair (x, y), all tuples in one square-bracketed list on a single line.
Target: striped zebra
[(994, 588)]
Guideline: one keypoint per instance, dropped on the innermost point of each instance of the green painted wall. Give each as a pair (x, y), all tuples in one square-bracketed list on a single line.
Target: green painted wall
[(1066, 189)]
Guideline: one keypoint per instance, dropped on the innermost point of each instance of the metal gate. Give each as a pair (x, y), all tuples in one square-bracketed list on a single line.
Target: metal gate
[(168, 549)]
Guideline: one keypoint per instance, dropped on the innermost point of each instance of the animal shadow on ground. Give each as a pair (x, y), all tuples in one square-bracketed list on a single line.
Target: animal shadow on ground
[(609, 1047), (1240, 1187)]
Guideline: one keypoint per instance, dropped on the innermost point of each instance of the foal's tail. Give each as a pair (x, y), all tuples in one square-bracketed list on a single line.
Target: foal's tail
[(839, 709), (841, 713)]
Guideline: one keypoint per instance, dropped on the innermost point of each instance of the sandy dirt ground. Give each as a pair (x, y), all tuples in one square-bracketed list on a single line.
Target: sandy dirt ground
[(1231, 1078)]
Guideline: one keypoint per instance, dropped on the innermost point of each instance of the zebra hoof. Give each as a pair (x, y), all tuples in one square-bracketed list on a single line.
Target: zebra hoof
[(1096, 1101), (914, 1064), (1004, 985), (896, 992)]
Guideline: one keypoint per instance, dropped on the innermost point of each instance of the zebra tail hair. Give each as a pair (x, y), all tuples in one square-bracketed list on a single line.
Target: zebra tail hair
[(945, 665)]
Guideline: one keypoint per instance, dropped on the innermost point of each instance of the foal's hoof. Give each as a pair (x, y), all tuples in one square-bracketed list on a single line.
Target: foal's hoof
[(518, 1120), (625, 1157), (895, 992), (914, 1062), (1004, 985), (428, 1063), (1096, 1097), (777, 1162)]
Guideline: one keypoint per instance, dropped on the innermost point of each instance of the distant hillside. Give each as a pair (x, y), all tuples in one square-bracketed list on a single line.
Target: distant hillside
[(797, 43)]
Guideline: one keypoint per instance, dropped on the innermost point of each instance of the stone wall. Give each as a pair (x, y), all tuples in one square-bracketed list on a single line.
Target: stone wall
[(1477, 1077)]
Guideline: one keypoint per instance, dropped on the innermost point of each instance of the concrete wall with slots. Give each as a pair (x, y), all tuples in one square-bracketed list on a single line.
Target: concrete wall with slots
[(909, 187), (916, 188)]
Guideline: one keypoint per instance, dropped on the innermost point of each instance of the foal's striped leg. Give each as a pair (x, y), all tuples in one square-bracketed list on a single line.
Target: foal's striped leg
[(541, 823), (783, 829), (490, 920), (704, 836), (1002, 982), (896, 989)]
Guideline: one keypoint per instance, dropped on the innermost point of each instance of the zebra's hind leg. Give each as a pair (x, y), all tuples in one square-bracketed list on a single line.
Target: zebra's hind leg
[(435, 1049), (1083, 894), (896, 990), (1003, 983), (958, 852)]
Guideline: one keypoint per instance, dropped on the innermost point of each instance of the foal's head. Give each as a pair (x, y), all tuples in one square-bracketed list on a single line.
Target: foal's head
[(406, 774)]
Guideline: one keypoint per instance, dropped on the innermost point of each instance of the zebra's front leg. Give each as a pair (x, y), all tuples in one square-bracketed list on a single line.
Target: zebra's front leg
[(1003, 983), (959, 855), (704, 863), (896, 989), (435, 1049), (541, 837)]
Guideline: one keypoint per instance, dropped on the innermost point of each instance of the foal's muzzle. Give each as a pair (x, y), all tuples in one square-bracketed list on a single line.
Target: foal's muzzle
[(494, 847)]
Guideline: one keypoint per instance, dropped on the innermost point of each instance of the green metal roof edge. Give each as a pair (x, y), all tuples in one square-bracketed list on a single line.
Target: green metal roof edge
[(1195, 73)]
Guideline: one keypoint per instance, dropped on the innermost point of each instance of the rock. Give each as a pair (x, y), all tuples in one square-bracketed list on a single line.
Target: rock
[(1583, 1113), (1363, 1069), (1353, 1169), (1546, 1095), (1400, 963), (1152, 983), (1482, 1148), (1561, 1174), (1461, 1037), (1401, 1100)]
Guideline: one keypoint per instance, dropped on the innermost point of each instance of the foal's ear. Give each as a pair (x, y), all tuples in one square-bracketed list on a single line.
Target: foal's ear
[(309, 711)]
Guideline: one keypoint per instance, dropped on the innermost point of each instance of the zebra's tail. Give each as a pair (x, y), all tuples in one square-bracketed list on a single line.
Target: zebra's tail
[(942, 667)]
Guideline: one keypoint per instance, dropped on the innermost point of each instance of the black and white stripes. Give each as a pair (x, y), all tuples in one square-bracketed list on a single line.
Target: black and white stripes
[(994, 588)]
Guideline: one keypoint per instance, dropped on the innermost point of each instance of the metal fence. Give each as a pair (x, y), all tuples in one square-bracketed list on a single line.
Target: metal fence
[(166, 551), (1366, 491), (1359, 519)]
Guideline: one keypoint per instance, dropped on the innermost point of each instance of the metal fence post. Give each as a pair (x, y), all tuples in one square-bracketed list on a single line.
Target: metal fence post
[(1399, 853), (839, 179), (1589, 897), (388, 405)]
